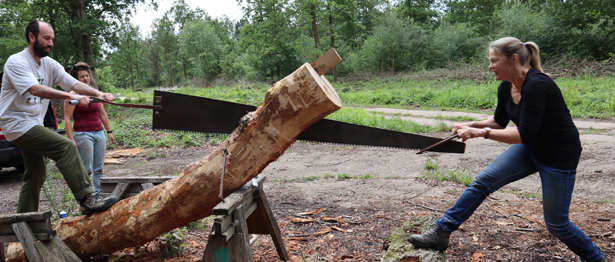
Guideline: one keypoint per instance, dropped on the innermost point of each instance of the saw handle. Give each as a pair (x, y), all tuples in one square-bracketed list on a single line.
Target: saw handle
[(444, 140), (76, 102)]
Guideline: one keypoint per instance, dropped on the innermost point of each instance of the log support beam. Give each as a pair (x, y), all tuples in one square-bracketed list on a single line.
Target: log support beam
[(244, 212)]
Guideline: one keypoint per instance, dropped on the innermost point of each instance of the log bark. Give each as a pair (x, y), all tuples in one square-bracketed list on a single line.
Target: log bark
[(290, 106)]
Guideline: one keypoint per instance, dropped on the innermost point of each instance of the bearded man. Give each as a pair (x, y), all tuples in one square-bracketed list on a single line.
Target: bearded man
[(24, 99)]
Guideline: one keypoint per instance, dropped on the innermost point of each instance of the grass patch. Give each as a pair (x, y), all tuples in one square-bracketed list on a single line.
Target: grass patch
[(460, 178), (606, 201), (310, 178), (432, 172), (431, 164), (325, 176), (587, 97)]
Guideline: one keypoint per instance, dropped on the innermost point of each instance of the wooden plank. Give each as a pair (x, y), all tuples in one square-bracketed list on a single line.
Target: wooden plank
[(120, 190), (29, 216), (236, 198), (136, 179), (133, 188), (55, 250), (39, 236), (217, 249), (126, 195), (147, 185), (39, 226), (27, 239), (327, 61), (240, 243), (63, 252), (271, 224)]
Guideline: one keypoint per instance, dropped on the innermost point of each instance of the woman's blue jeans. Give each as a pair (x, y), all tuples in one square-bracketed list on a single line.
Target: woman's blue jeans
[(92, 146), (557, 186)]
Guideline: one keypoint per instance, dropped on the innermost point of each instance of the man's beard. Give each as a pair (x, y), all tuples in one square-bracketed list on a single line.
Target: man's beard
[(39, 50)]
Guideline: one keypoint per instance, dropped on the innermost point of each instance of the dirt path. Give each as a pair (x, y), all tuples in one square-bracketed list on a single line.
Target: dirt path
[(383, 187)]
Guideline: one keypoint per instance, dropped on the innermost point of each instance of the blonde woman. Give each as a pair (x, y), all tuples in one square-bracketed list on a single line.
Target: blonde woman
[(545, 140)]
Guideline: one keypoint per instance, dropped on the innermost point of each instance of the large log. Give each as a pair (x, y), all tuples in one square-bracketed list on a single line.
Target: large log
[(290, 106)]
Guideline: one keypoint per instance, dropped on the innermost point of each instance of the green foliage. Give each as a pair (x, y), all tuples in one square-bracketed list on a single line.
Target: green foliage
[(460, 178), (174, 241), (133, 129), (310, 178), (269, 39), (199, 42), (421, 11), (478, 13), (407, 92), (586, 26), (530, 24), (62, 199), (127, 66), (12, 22), (361, 117), (345, 176), (431, 164), (394, 45)]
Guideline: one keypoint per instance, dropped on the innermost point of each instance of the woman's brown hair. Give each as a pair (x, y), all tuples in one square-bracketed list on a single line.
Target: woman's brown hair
[(79, 67)]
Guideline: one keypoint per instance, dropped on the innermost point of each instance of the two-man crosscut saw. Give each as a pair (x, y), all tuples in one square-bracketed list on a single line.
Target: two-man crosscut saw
[(201, 114), (173, 111)]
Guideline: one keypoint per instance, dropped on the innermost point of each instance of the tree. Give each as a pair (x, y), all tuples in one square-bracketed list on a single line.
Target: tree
[(200, 44), (83, 26), (528, 23), (269, 37), (166, 45), (389, 45), (12, 39), (478, 13), (129, 56), (181, 14), (420, 11), (589, 27)]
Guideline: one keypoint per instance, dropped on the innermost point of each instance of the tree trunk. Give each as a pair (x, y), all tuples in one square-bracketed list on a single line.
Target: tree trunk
[(332, 42), (185, 73), (393, 63), (205, 72), (132, 79), (315, 27), (290, 106), (84, 40)]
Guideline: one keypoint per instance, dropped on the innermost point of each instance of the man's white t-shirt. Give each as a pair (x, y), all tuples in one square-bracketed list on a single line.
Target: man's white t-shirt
[(19, 109)]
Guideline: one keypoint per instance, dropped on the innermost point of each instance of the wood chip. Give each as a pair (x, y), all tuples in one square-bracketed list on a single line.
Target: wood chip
[(300, 220), (322, 232)]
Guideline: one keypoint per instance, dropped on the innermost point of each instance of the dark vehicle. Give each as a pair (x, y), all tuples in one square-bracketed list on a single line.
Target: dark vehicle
[(10, 155)]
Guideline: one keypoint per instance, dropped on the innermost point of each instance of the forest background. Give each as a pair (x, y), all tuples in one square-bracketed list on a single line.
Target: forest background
[(188, 47)]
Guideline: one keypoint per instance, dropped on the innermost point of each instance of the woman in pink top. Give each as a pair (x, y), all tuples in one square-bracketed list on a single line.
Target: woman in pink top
[(87, 131)]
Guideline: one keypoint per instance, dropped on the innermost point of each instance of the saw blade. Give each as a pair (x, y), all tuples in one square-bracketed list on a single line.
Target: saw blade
[(206, 115)]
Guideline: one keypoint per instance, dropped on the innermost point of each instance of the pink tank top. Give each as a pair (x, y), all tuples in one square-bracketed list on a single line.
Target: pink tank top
[(87, 118)]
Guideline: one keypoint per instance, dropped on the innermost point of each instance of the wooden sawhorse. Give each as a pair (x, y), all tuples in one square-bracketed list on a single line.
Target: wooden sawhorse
[(39, 241), (125, 187), (245, 211)]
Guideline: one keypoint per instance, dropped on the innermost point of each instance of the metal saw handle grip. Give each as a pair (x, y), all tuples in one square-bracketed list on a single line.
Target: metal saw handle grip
[(76, 102)]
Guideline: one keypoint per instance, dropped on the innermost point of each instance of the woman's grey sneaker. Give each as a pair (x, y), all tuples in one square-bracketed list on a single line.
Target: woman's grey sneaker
[(432, 238), (94, 203)]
